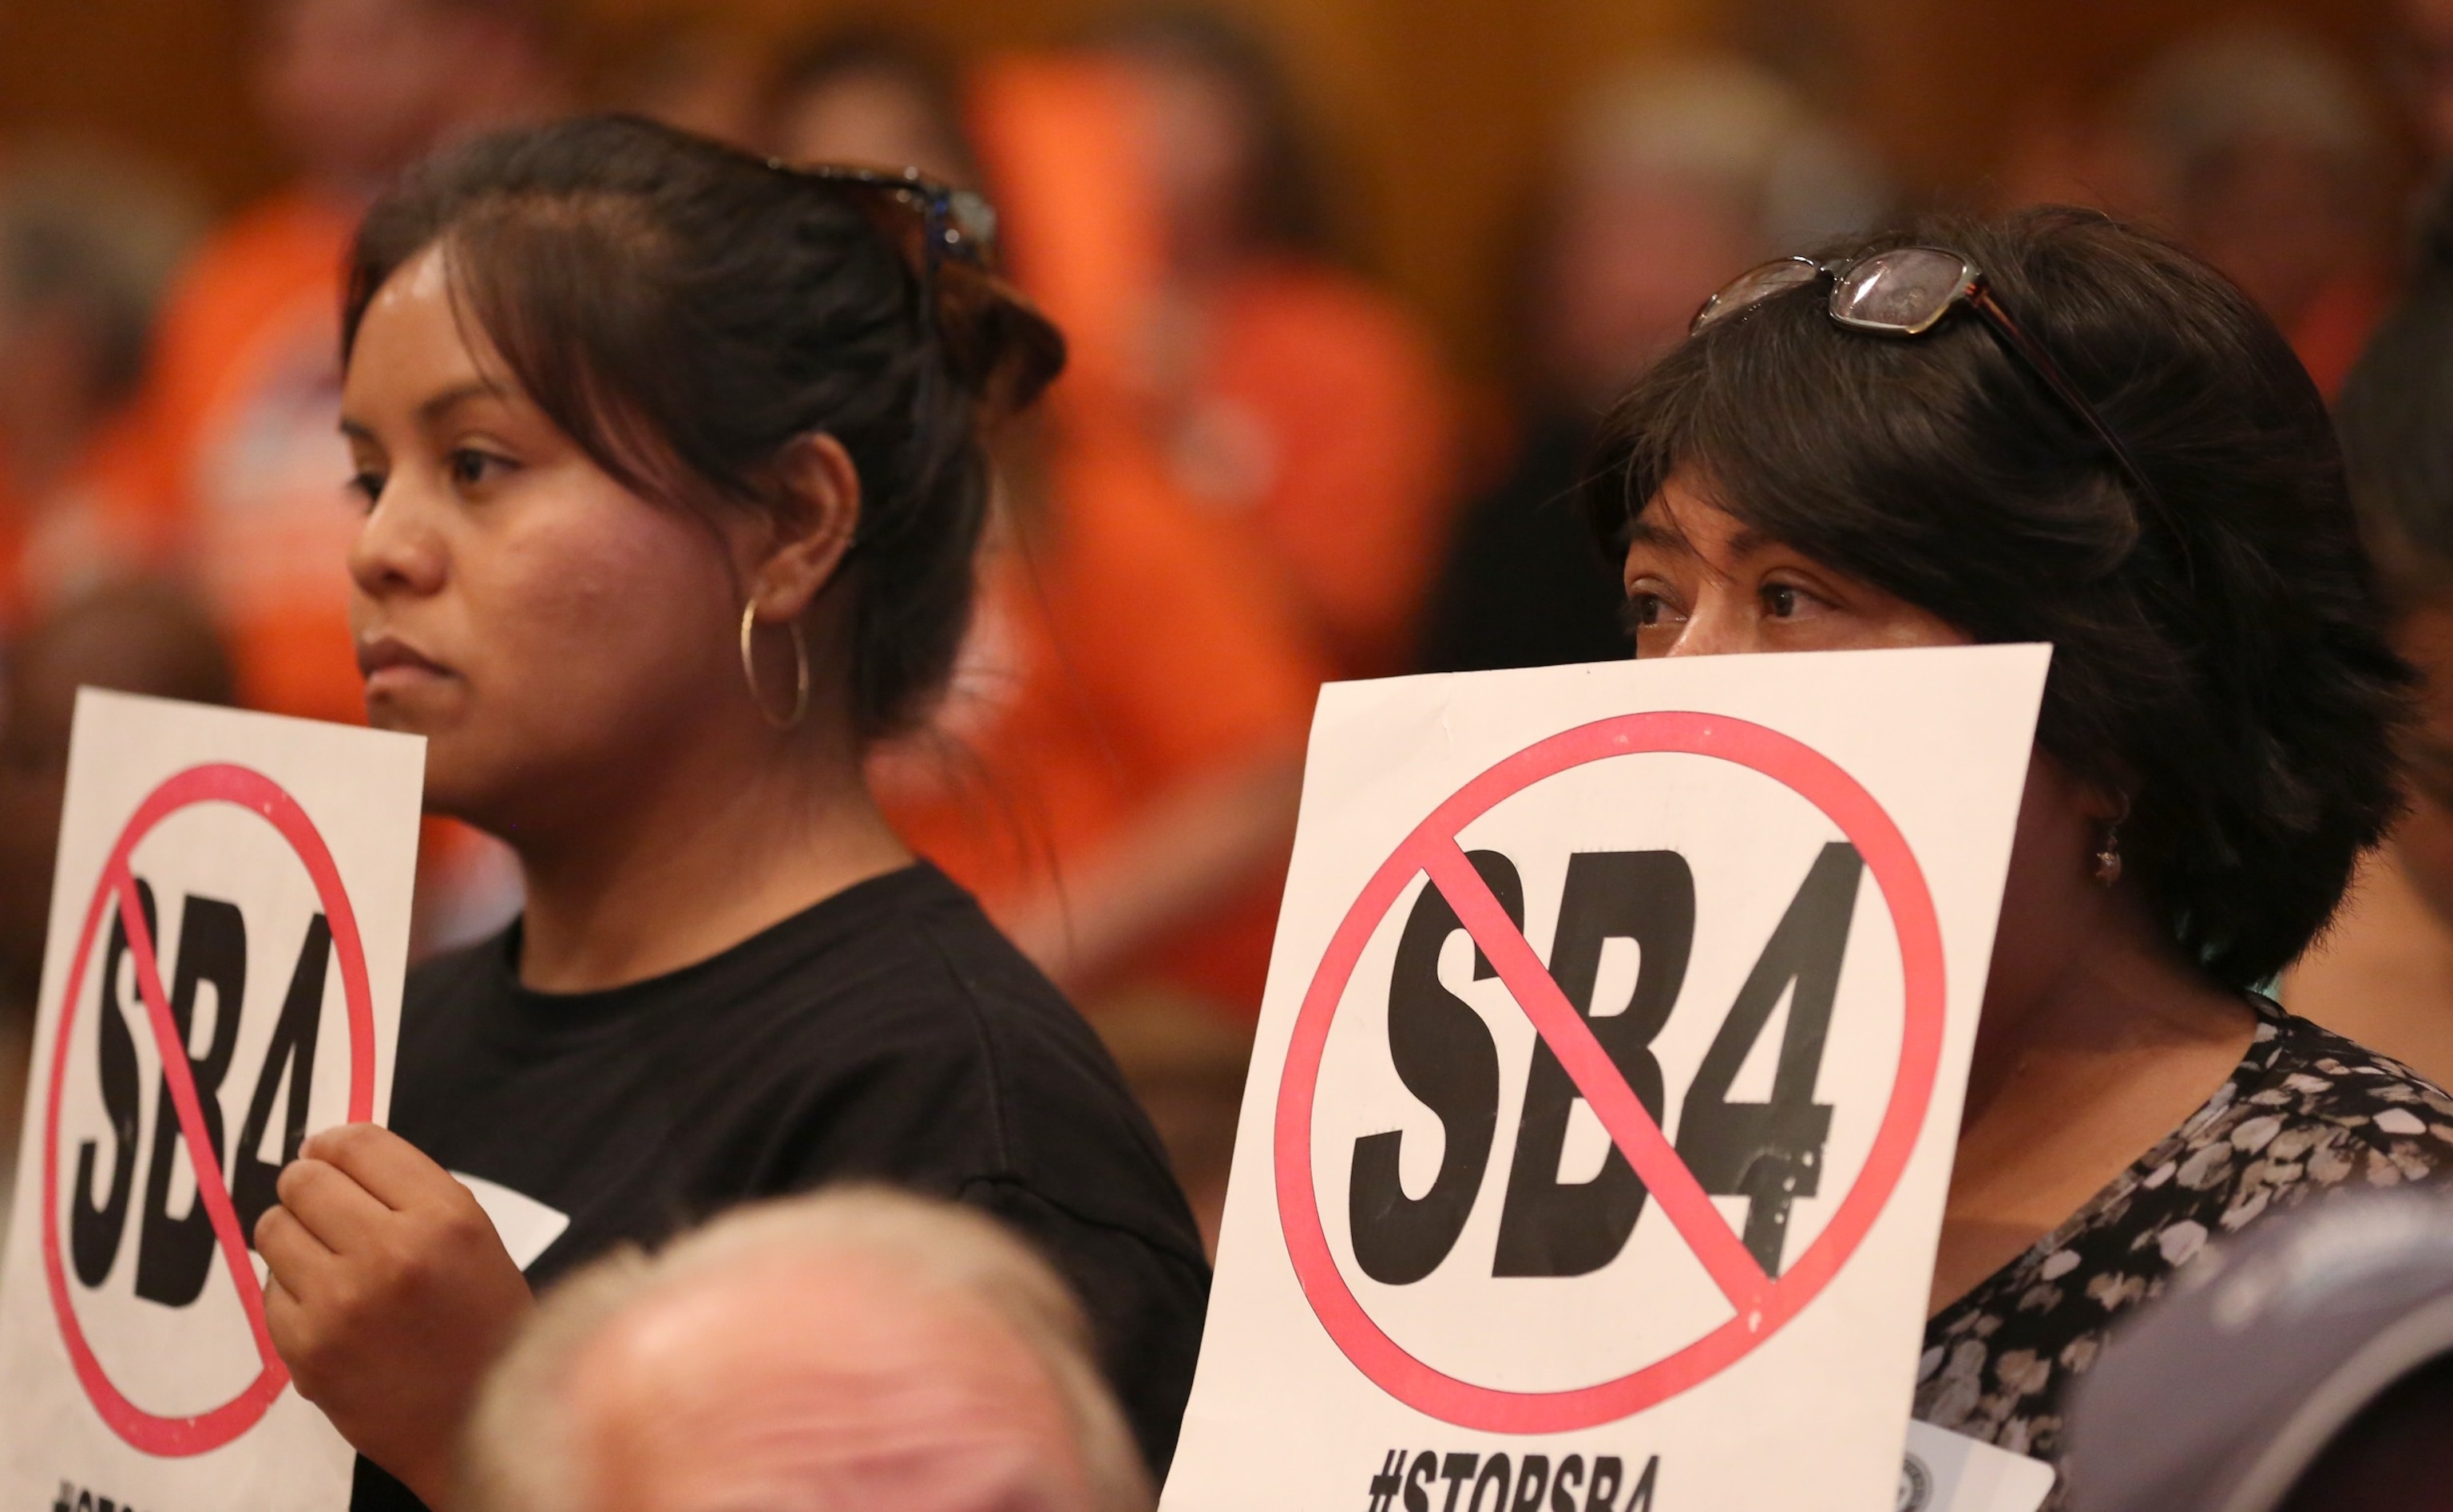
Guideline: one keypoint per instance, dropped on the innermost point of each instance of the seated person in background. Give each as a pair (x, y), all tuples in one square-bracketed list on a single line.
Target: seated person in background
[(856, 1351), (242, 401), (2306, 1368), (2265, 154), (136, 637), (1287, 396), (1115, 768), (2383, 973), (1669, 175), (2111, 449)]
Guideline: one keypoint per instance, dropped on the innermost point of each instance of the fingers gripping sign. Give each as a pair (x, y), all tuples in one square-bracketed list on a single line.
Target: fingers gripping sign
[(1607, 1079), (389, 1294), (223, 974)]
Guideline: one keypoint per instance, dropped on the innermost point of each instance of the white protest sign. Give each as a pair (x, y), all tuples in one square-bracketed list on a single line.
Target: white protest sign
[(1642, 1222), (229, 928)]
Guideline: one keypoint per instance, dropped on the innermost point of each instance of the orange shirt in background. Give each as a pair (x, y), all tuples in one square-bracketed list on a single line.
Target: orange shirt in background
[(244, 405), (1127, 649), (1311, 414), (1321, 418), (104, 520), (1130, 644)]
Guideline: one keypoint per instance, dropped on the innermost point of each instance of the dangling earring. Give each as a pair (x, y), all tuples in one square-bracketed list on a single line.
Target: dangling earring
[(799, 668), (2108, 856)]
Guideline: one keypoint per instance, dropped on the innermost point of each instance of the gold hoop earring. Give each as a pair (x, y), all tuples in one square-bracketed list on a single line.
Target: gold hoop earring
[(2108, 856), (799, 668)]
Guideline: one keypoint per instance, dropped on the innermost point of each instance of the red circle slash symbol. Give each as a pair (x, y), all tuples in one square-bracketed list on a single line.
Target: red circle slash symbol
[(116, 889), (1762, 1302)]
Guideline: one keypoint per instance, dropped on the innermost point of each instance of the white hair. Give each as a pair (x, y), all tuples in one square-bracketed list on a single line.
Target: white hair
[(521, 1453)]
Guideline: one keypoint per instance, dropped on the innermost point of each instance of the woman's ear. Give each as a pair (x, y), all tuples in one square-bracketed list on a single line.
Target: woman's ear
[(818, 492)]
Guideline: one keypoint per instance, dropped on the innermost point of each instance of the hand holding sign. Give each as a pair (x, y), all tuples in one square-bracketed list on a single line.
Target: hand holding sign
[(223, 974), (390, 1293)]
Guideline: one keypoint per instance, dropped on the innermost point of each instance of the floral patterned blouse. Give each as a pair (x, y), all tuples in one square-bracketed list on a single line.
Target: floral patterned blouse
[(2306, 1113)]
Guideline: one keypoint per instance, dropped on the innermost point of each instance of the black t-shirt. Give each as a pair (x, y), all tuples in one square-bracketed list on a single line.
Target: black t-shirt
[(889, 1033)]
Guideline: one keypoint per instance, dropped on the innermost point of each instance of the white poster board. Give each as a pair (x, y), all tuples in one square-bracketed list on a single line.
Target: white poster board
[(236, 885), (1764, 889)]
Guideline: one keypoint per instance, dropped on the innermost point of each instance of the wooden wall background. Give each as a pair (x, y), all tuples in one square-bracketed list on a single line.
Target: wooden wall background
[(1438, 108)]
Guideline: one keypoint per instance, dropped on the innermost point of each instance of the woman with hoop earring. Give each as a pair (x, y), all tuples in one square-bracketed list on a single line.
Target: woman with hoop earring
[(674, 471)]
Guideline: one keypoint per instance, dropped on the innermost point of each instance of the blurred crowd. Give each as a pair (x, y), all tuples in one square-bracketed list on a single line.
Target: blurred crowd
[(1259, 473)]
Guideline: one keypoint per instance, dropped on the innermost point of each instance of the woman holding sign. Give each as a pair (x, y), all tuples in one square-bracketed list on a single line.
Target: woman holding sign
[(2054, 429), (673, 468)]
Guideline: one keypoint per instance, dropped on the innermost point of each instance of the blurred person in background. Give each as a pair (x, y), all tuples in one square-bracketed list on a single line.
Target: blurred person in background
[(1113, 771), (1286, 394), (2308, 1367), (1669, 176), (88, 246), (133, 635), (2383, 974), (244, 401), (873, 97), (242, 408), (860, 1351), (2264, 152)]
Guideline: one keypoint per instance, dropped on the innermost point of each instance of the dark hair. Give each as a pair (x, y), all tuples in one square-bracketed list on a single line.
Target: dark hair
[(2396, 420), (684, 312), (2222, 660)]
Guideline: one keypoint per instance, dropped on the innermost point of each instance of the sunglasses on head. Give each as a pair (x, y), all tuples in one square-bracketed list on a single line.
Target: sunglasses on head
[(936, 222), (1906, 292)]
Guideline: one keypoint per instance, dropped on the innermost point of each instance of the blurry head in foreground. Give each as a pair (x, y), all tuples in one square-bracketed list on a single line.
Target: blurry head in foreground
[(1671, 178), (356, 89), (855, 1350), (2308, 1367)]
